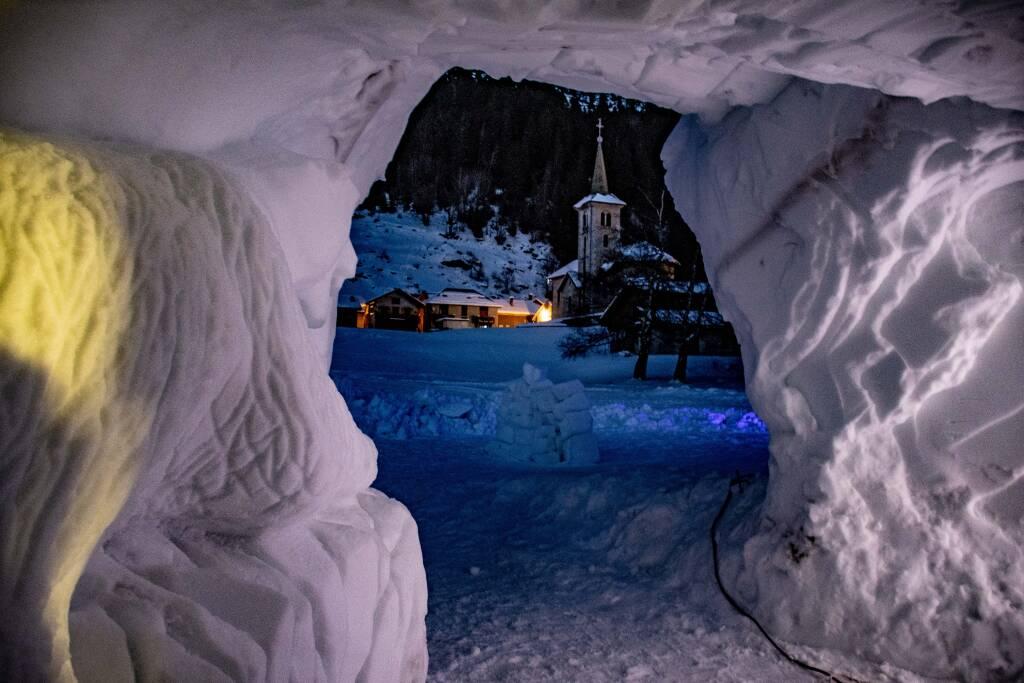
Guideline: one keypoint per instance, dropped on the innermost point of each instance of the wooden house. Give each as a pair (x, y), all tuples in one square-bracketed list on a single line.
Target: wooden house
[(396, 310)]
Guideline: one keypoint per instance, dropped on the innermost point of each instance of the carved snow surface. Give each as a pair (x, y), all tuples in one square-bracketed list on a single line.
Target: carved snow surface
[(246, 544), (870, 252)]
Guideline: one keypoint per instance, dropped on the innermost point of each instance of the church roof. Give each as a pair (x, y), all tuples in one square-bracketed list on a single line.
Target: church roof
[(513, 306), (602, 197), (570, 267), (599, 181)]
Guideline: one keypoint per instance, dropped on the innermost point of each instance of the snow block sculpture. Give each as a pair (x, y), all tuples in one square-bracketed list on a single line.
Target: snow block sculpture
[(543, 422), (185, 496), (870, 254)]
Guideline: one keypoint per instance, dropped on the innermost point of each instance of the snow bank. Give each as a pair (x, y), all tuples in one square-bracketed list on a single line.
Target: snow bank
[(543, 422), (418, 412), (870, 257), (192, 439)]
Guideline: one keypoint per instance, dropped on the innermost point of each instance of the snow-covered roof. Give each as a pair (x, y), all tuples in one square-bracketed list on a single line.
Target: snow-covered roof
[(645, 251), (570, 267), (351, 301), (512, 306), (399, 292), (680, 317), (462, 297), (572, 276), (672, 286), (599, 197)]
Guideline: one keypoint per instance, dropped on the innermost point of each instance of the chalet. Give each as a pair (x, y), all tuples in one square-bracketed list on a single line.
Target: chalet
[(396, 310), (455, 308)]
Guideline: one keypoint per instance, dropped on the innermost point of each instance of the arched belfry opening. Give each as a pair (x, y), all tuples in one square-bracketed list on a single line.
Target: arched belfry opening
[(187, 497)]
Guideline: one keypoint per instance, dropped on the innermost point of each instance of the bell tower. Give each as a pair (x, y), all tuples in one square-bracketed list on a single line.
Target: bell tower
[(600, 218)]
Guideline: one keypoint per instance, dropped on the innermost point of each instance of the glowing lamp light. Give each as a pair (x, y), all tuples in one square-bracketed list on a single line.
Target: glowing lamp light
[(544, 313)]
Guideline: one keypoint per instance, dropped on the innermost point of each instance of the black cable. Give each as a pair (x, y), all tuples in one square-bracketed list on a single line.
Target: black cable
[(739, 481)]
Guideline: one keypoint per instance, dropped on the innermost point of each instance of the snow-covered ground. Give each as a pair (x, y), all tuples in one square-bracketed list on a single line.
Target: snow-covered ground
[(591, 573), (398, 250)]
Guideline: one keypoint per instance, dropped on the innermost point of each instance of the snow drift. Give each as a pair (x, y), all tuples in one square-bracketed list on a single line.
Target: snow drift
[(867, 249)]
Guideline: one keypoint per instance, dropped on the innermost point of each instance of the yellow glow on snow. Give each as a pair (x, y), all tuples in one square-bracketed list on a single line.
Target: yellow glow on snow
[(60, 301), (65, 283)]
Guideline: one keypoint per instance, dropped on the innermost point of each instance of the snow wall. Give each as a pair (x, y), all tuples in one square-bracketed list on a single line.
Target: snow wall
[(870, 252), (184, 493)]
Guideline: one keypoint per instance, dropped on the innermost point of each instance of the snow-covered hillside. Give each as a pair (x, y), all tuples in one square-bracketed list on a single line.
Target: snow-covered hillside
[(398, 250)]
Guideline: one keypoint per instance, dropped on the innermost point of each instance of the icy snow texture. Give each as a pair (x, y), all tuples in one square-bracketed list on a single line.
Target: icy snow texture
[(246, 545), (871, 254), (898, 256), (545, 423)]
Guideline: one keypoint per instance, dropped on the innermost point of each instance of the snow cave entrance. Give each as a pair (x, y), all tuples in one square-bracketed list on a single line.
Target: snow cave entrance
[(482, 366), (500, 216)]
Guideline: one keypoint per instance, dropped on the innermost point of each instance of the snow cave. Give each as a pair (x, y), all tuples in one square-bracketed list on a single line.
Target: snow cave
[(184, 493)]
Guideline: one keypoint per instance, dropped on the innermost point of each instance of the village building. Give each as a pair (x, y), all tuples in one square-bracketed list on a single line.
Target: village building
[(352, 311), (599, 230), (455, 308), (513, 312), (566, 290), (395, 310)]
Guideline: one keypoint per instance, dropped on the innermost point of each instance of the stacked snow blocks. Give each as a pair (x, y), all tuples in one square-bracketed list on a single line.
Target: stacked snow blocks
[(543, 422)]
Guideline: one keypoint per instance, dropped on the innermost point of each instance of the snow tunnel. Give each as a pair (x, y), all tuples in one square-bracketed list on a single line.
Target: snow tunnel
[(184, 493)]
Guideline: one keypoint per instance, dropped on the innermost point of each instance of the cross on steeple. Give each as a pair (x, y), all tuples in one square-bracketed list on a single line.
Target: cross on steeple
[(599, 181)]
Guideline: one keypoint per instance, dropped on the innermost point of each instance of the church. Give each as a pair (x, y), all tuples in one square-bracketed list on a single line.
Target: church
[(599, 230)]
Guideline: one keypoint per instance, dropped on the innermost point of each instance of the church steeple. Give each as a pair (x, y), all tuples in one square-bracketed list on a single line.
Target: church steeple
[(599, 182)]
